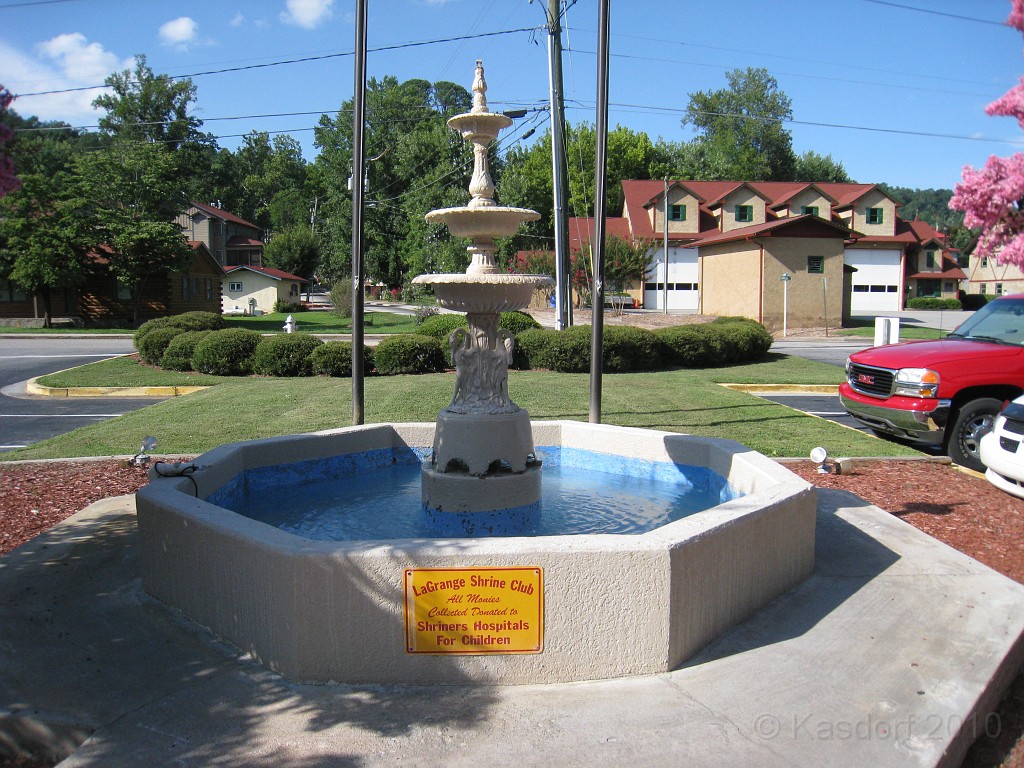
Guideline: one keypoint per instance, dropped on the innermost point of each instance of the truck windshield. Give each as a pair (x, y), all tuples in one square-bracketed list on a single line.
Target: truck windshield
[(1000, 321)]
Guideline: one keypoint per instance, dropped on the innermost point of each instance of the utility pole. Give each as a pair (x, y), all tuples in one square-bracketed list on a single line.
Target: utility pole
[(664, 294), (600, 186), (359, 173), (563, 288)]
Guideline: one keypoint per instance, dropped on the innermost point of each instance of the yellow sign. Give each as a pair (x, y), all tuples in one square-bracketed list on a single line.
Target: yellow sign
[(474, 610)]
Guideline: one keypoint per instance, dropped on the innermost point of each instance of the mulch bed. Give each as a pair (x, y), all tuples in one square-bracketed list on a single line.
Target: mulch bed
[(961, 509)]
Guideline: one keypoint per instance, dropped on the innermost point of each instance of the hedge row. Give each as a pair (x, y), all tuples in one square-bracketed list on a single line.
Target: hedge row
[(238, 352), (929, 302)]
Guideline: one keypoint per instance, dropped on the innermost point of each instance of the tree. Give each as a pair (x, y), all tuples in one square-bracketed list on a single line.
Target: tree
[(148, 107), (8, 181), (265, 168), (137, 195), (740, 130), (991, 197), (46, 228), (416, 164), (293, 250), (810, 166)]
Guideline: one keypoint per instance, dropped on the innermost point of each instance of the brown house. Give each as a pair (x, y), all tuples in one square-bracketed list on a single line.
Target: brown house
[(232, 240)]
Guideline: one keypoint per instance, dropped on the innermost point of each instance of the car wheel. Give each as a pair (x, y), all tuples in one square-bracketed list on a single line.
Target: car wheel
[(973, 420)]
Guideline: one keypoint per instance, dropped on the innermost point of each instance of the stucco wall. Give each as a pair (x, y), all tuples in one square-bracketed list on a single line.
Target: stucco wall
[(808, 297), (676, 196), (814, 198), (730, 280), (742, 196), (875, 199)]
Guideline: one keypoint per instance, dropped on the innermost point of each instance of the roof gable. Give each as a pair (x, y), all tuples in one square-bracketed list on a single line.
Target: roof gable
[(274, 274), (219, 213)]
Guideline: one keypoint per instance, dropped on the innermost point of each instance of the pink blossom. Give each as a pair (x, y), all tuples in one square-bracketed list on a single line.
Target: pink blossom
[(990, 198), (1016, 18), (1010, 104)]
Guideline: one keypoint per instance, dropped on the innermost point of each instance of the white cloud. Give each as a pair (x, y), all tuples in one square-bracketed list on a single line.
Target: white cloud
[(179, 33), (238, 20), (307, 13), (59, 64)]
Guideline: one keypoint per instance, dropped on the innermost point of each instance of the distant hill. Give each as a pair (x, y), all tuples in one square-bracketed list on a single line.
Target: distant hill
[(931, 205)]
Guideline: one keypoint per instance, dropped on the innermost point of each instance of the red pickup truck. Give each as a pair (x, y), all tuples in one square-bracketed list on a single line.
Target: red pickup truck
[(946, 392)]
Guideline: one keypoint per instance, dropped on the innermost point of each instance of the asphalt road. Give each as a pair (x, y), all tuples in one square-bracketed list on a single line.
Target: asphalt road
[(24, 419)]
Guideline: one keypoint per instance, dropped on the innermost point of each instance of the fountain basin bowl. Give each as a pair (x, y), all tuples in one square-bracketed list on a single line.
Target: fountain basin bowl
[(484, 221), (484, 293), (613, 605)]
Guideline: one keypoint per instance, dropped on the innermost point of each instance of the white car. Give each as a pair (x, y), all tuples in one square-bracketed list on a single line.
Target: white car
[(1001, 452)]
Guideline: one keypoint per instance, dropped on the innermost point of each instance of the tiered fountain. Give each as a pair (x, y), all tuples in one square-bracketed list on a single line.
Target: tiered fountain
[(482, 433), (439, 603)]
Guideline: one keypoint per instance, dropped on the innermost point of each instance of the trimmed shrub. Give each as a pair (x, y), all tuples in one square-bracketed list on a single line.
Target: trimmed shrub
[(186, 321), (286, 354), (531, 348), (424, 311), (178, 355), (974, 301), (227, 352), (738, 342), (688, 346), (154, 343), (440, 326), (931, 302), (517, 322), (568, 351), (625, 349), (335, 359), (409, 353), (287, 307)]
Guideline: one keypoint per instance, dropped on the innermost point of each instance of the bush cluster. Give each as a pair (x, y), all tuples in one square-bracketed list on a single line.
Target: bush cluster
[(287, 307), (227, 352), (409, 353), (178, 356), (335, 359), (974, 301), (286, 354), (928, 302)]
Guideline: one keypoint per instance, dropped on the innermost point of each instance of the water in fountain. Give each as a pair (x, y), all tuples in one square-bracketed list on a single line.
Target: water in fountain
[(483, 459)]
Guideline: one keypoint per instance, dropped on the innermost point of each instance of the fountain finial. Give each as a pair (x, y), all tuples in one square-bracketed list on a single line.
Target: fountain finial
[(479, 89)]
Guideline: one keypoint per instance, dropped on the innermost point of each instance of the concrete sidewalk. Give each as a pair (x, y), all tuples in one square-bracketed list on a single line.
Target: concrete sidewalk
[(891, 654)]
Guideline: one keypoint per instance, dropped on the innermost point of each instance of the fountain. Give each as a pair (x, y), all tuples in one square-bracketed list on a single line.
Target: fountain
[(476, 595), (482, 433)]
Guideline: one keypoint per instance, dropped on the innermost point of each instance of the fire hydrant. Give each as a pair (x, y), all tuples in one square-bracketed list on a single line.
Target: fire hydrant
[(289, 324)]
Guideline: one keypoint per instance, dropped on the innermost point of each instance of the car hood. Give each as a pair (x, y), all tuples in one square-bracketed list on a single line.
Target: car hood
[(928, 354)]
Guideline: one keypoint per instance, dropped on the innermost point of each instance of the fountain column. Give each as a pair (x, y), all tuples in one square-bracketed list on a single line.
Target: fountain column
[(483, 458)]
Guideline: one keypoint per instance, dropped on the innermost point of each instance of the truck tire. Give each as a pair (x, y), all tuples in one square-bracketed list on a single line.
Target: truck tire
[(972, 421)]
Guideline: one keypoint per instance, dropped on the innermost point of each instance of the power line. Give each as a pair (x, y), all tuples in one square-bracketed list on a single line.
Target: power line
[(936, 13), (321, 57)]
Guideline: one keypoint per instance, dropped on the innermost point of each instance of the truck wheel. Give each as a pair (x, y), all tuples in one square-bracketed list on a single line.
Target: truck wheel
[(973, 420)]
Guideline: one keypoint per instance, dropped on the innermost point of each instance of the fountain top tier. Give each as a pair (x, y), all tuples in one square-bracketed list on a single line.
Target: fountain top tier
[(482, 220)]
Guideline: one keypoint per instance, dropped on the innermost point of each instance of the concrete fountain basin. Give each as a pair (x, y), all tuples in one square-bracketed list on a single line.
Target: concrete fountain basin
[(611, 605)]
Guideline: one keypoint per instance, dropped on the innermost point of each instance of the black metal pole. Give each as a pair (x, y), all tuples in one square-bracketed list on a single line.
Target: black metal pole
[(560, 173), (358, 177), (597, 244)]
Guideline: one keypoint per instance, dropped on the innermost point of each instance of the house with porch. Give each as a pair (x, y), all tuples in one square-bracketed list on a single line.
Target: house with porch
[(253, 290), (232, 240), (991, 277)]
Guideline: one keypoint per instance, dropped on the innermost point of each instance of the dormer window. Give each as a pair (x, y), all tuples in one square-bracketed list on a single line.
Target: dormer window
[(811, 210), (744, 213), (874, 215), (677, 213), (929, 259)]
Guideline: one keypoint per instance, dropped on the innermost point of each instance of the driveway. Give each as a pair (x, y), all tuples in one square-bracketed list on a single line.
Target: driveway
[(25, 419)]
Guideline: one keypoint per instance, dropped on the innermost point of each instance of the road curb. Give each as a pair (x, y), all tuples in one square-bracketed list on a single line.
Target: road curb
[(33, 387), (784, 389)]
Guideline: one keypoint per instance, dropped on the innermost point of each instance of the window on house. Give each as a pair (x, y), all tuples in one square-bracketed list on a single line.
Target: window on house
[(984, 261), (209, 287), (122, 292), (947, 287), (983, 287), (929, 259), (219, 256), (744, 212), (677, 213), (294, 290), (186, 288), (874, 215), (816, 265), (235, 287), (999, 289), (809, 209), (860, 289)]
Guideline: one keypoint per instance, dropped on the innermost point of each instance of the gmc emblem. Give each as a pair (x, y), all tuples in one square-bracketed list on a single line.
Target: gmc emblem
[(864, 378)]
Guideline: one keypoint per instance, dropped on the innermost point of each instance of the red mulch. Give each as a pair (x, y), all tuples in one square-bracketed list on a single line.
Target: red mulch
[(958, 508)]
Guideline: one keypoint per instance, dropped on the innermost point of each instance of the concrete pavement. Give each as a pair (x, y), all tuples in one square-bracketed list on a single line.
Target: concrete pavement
[(891, 654)]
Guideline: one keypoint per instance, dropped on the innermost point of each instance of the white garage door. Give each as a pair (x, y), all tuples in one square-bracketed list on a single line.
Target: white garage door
[(682, 280), (876, 283)]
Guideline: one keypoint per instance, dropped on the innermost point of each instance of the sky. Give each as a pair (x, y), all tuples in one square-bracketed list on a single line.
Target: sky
[(894, 90)]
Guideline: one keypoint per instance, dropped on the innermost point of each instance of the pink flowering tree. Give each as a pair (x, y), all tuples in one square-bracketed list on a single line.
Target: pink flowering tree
[(8, 181), (992, 198)]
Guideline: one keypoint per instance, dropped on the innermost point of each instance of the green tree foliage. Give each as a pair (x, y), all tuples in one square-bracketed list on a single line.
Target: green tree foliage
[(931, 205), (266, 169), (810, 166), (415, 164), (740, 130), (136, 193), (293, 250), (46, 227)]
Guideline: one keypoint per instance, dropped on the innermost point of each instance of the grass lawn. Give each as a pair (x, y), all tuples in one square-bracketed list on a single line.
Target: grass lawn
[(688, 401), (324, 322), (863, 327)]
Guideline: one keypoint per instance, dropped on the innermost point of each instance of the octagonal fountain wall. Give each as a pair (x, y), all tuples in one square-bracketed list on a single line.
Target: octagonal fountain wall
[(610, 605)]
